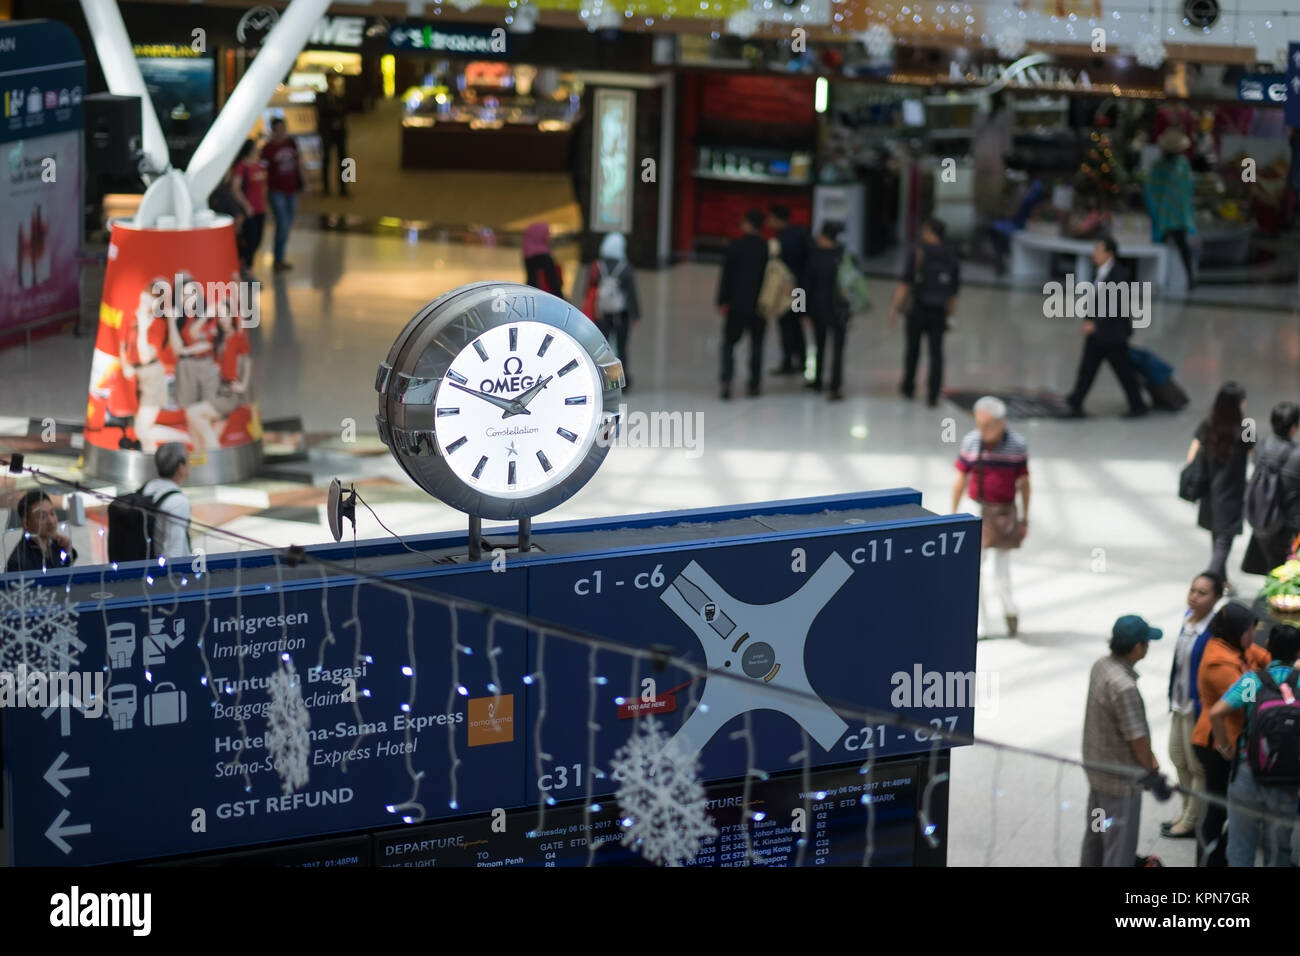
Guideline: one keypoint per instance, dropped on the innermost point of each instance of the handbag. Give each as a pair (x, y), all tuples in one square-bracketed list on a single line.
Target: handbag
[(909, 297), (1194, 479), (1002, 526)]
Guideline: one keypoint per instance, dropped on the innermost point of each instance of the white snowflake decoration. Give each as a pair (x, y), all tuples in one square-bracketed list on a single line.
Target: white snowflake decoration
[(743, 23), (662, 800), (600, 15), (1149, 50), (1010, 42), (464, 4), (36, 631), (287, 724), (879, 41), (1280, 59)]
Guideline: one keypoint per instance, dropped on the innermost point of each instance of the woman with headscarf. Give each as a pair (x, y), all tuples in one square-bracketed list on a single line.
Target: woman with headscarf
[(1168, 193), (541, 271), (1229, 653), (611, 299)]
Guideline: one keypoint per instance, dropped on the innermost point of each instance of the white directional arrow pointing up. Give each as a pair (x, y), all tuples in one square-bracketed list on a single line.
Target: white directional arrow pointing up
[(64, 707), (56, 774), (58, 831)]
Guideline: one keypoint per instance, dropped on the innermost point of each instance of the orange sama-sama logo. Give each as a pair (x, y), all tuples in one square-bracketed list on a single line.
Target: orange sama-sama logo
[(491, 720)]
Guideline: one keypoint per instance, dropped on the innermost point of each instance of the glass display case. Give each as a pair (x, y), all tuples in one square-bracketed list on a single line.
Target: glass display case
[(753, 164), (489, 95), (490, 116)]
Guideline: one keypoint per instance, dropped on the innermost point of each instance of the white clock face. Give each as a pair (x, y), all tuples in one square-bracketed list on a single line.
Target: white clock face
[(516, 410)]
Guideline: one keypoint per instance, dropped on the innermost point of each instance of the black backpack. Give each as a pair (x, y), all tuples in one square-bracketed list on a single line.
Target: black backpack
[(1273, 737), (936, 277), (1264, 500), (135, 526)]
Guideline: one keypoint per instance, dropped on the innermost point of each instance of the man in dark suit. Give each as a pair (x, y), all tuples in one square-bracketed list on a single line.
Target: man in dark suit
[(742, 279), (795, 244), (1107, 334)]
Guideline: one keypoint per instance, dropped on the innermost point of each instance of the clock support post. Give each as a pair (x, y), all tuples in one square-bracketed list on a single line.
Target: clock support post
[(525, 543), (475, 538)]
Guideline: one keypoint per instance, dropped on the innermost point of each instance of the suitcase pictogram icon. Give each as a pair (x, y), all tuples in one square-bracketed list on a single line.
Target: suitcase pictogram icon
[(165, 706)]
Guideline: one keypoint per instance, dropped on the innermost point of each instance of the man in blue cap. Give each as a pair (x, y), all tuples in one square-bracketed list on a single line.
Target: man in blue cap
[(1116, 737)]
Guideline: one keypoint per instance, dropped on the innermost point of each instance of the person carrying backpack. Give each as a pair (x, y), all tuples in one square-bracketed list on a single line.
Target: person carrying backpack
[(154, 521), (1273, 494), (1267, 754), (927, 293), (611, 296)]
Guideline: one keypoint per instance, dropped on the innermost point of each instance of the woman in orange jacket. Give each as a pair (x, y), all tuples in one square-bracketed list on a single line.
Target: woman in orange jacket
[(1231, 652)]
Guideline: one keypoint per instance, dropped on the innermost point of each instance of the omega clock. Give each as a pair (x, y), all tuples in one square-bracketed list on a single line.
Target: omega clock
[(499, 399)]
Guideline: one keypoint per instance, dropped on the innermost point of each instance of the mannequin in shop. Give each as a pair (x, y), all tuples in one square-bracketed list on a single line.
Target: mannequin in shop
[(989, 148)]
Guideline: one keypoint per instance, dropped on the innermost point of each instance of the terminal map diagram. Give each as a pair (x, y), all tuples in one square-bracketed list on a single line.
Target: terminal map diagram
[(764, 642)]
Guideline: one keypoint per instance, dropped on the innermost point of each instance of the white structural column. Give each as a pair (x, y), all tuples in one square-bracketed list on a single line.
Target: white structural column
[(122, 73), (221, 143)]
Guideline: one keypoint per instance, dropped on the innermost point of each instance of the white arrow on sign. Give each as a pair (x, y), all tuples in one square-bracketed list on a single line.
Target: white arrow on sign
[(56, 774), (58, 831), (64, 707)]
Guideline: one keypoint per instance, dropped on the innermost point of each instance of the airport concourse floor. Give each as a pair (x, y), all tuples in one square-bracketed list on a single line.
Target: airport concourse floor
[(1108, 534)]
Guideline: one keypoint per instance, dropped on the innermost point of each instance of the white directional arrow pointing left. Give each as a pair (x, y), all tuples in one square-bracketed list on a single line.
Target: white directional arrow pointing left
[(57, 831), (56, 774)]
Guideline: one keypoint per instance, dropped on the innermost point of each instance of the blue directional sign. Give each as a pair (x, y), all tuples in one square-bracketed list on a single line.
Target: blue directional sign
[(808, 627), (1293, 85), (786, 626)]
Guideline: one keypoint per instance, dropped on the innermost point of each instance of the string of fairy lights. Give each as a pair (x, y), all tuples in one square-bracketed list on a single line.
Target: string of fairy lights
[(412, 810), (1006, 25)]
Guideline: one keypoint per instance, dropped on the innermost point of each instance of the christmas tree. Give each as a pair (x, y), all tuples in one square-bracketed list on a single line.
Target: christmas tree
[(1100, 174)]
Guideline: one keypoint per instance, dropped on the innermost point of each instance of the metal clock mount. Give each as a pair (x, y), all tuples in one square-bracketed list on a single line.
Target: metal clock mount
[(499, 400)]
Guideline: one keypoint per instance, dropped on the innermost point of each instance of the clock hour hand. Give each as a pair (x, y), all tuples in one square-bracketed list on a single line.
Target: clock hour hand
[(528, 394), (511, 405)]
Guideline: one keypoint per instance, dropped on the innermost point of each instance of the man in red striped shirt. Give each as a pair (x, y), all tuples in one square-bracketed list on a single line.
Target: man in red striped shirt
[(992, 465)]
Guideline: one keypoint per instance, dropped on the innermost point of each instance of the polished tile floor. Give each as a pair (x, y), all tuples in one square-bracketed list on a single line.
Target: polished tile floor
[(1109, 534)]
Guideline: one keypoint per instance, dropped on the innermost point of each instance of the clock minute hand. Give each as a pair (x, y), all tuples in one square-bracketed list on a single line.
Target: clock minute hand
[(528, 394), (509, 404)]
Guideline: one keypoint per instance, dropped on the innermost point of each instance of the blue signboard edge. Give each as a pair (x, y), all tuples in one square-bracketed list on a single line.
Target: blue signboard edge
[(378, 547)]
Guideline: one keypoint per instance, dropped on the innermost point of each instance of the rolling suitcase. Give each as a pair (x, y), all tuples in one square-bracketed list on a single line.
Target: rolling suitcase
[(1157, 378)]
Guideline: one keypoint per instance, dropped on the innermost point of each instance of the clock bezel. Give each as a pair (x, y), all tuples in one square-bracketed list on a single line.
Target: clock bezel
[(432, 340)]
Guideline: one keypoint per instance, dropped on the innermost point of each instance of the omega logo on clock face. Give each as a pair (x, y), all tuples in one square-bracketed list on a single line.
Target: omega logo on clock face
[(517, 409)]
